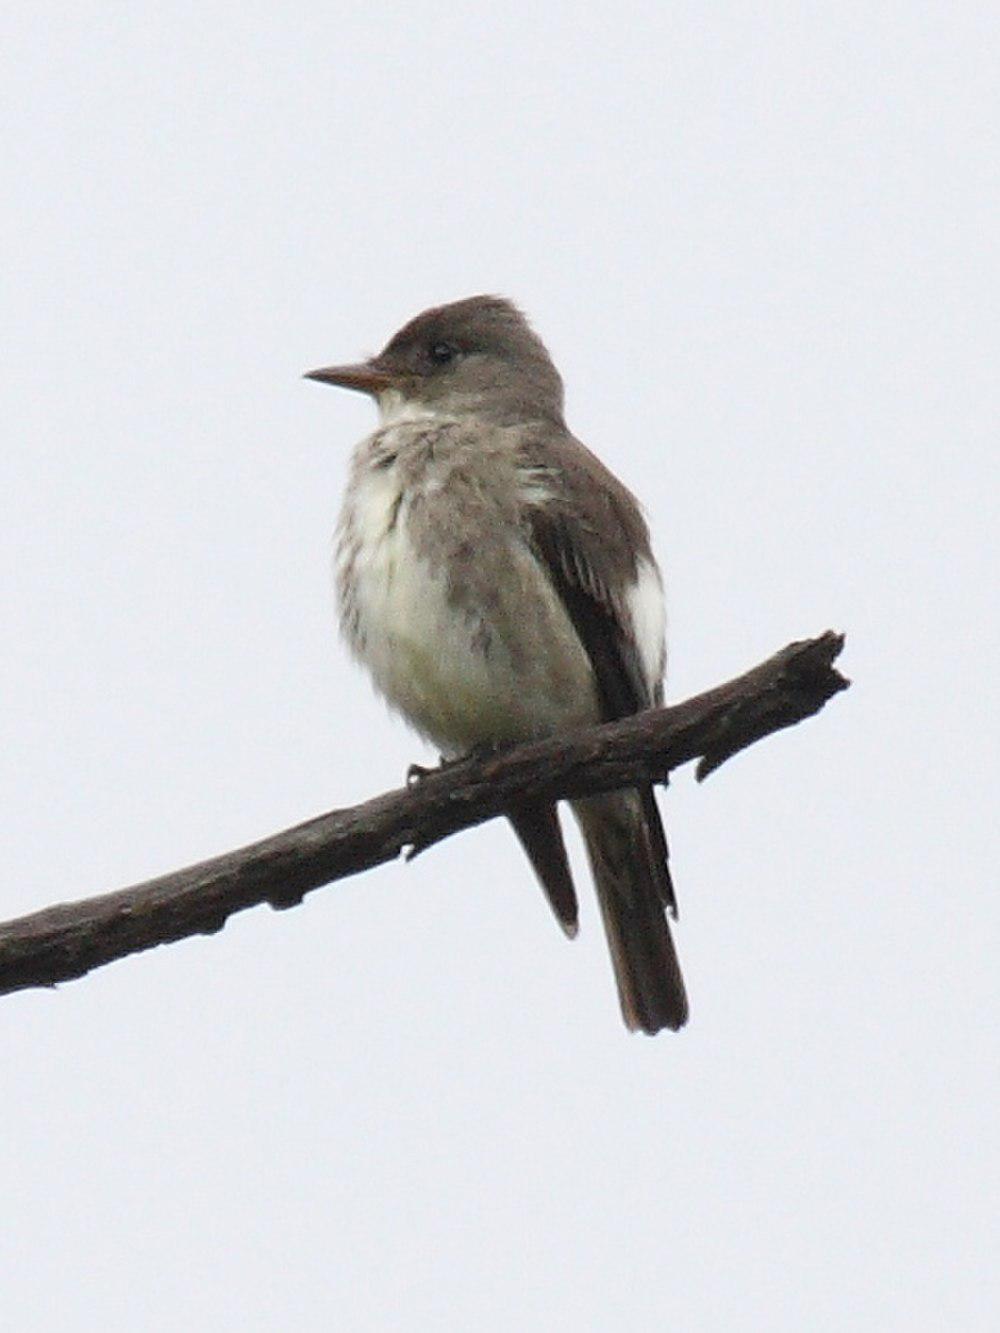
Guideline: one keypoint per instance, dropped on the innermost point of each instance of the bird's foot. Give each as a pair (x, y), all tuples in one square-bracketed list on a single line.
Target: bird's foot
[(417, 772), (484, 750)]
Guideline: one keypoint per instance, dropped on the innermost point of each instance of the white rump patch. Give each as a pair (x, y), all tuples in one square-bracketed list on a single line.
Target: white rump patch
[(649, 621)]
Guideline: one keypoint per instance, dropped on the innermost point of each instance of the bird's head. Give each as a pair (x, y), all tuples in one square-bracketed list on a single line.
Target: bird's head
[(477, 356)]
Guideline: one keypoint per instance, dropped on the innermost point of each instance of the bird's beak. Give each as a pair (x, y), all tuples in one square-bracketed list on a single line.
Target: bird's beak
[(366, 376)]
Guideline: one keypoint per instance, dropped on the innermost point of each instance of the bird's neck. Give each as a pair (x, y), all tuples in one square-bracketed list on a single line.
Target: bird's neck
[(395, 409)]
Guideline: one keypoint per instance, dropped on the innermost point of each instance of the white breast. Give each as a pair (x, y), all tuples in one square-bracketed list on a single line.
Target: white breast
[(460, 680)]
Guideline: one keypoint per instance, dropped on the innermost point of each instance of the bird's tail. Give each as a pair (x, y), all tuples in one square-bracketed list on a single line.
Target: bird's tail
[(627, 851)]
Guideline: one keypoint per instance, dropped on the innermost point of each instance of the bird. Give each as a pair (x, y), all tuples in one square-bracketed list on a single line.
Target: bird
[(497, 581)]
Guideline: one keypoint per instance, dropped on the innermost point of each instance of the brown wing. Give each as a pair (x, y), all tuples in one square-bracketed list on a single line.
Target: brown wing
[(592, 568), (538, 830)]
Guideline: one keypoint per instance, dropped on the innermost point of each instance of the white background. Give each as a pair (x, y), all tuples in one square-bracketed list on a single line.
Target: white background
[(761, 243)]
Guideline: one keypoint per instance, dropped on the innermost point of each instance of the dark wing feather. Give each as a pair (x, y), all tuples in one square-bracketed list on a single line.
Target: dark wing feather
[(597, 616), (537, 827), (584, 571)]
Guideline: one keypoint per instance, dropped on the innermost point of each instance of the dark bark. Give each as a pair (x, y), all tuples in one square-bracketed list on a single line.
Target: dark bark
[(68, 940)]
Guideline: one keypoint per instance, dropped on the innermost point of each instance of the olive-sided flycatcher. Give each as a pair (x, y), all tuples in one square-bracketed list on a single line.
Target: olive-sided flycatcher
[(497, 581)]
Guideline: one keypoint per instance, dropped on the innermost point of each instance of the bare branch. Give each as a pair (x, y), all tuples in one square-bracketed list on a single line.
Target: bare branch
[(68, 940)]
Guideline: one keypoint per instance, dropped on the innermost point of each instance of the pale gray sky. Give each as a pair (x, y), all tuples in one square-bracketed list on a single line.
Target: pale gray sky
[(762, 246)]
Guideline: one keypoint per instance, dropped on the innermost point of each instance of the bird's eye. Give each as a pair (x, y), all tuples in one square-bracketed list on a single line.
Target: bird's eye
[(443, 353)]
